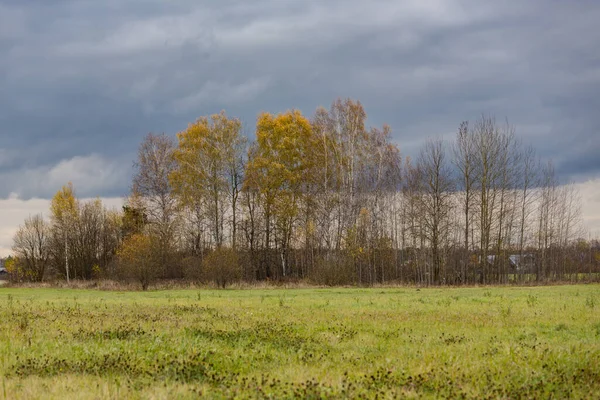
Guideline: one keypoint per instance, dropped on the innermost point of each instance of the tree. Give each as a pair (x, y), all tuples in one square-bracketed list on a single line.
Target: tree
[(559, 219), (31, 245), (134, 218), (140, 258), (347, 121), (280, 169), (328, 178), (381, 178), (64, 215), (489, 147), (221, 266), (358, 171), (13, 268), (152, 187), (85, 235), (209, 163), (528, 178), (96, 238), (86, 241), (464, 160), (436, 200), (508, 156), (546, 206), (111, 237), (413, 236), (251, 223)]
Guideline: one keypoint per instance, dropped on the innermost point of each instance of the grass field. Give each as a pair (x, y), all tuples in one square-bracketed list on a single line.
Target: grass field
[(537, 342)]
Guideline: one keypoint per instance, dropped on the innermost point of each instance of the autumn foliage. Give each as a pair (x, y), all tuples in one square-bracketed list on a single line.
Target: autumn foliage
[(139, 260), (324, 199)]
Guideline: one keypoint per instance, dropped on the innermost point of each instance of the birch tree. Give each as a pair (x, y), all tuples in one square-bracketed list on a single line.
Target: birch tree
[(64, 214), (464, 161), (280, 167), (436, 196), (209, 166), (154, 165)]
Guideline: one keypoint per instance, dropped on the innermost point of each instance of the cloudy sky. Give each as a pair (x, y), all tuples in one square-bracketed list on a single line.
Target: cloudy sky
[(82, 81)]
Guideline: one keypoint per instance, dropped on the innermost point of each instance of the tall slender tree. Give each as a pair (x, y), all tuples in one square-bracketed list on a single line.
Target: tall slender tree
[(64, 214), (437, 188), (209, 162), (151, 184), (280, 167), (464, 160)]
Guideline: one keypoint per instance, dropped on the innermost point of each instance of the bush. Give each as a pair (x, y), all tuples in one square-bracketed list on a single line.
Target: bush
[(138, 259), (221, 266)]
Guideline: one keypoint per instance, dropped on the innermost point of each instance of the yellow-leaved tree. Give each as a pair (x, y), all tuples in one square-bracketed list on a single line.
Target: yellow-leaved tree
[(281, 169), (64, 211), (208, 172), (139, 258), (13, 267)]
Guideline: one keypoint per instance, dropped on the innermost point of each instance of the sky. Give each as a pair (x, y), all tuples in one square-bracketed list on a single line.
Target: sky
[(83, 81)]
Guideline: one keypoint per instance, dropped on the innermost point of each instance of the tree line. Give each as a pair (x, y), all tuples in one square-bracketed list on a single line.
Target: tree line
[(323, 199)]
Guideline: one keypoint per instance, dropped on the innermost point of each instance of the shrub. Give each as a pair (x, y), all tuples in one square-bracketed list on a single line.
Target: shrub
[(138, 259), (221, 266)]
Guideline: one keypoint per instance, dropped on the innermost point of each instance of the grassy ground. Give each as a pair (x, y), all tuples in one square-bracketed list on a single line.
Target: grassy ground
[(311, 343)]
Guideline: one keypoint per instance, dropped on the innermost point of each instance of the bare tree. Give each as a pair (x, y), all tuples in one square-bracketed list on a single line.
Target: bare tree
[(154, 165), (546, 205), (507, 157), (96, 238), (464, 160), (31, 245), (437, 188), (487, 147), (347, 122), (382, 176), (528, 180), (413, 222), (568, 225)]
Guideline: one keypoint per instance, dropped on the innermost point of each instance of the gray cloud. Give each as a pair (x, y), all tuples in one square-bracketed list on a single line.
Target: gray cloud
[(89, 174), (84, 80)]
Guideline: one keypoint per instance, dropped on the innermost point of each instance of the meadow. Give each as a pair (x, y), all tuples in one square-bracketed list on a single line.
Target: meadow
[(488, 342)]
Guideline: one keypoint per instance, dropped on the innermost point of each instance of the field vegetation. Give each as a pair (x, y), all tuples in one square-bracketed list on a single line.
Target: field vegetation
[(487, 342)]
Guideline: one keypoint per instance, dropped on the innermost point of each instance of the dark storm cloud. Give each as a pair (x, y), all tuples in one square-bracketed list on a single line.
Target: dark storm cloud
[(83, 81)]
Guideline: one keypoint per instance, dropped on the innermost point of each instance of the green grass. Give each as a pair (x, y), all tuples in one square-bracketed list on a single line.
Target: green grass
[(537, 342)]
